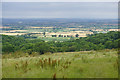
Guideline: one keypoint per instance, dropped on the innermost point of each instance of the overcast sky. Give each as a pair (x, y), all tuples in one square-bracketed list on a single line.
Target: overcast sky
[(60, 0), (89, 10)]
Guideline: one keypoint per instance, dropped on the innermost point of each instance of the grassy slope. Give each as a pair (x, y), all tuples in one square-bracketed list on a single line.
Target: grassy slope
[(87, 64), (0, 66)]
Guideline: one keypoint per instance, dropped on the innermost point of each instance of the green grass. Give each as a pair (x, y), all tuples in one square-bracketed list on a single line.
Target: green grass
[(56, 38), (0, 66), (85, 64)]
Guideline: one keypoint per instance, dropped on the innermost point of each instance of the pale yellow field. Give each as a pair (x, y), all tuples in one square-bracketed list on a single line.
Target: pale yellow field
[(16, 31), (13, 33)]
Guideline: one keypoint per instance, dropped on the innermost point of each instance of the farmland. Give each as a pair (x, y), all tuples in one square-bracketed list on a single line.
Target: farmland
[(47, 28), (83, 64)]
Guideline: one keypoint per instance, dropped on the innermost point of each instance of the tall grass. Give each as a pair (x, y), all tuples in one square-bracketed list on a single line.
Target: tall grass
[(92, 64)]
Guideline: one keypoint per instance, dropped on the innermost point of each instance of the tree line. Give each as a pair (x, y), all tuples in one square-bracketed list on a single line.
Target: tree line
[(110, 40)]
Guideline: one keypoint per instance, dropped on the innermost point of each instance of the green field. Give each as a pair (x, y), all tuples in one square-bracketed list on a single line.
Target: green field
[(57, 38), (84, 64)]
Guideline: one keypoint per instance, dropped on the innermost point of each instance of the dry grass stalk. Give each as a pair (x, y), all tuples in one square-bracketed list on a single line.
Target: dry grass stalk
[(54, 76)]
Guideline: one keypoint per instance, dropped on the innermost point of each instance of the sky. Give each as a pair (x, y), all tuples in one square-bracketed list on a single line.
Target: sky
[(83, 10), (60, 0)]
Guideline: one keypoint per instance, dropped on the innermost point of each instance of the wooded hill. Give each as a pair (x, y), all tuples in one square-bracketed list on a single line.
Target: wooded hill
[(91, 42)]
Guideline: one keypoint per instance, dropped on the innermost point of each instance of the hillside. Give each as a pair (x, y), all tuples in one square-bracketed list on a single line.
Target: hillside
[(84, 64)]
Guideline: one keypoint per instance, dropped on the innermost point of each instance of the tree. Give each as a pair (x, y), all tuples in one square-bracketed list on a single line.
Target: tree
[(77, 35), (8, 48), (109, 44), (44, 33), (54, 35), (41, 47)]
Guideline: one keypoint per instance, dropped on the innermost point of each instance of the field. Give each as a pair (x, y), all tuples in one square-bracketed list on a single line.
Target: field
[(83, 64), (57, 38), (13, 33)]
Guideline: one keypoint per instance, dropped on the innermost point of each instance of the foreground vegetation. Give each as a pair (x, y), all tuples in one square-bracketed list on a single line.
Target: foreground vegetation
[(84, 64)]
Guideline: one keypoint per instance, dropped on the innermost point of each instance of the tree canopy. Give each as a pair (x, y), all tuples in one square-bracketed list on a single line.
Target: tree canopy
[(91, 42)]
